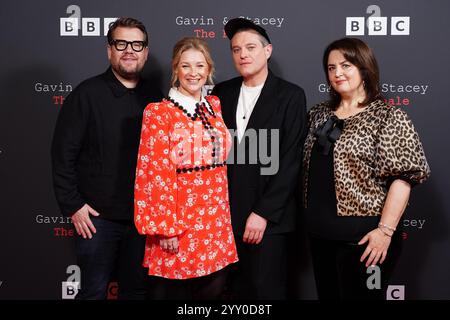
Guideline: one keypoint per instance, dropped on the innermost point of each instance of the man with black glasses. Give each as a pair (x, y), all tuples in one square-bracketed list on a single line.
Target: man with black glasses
[(94, 152)]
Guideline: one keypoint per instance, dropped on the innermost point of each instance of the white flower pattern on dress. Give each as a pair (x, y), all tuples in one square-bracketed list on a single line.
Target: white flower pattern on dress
[(193, 204)]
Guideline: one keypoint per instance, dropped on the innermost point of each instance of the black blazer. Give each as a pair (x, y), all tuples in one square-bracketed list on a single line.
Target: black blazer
[(281, 105), (95, 145)]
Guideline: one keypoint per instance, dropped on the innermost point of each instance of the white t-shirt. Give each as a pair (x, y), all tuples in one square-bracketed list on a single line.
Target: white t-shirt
[(248, 97)]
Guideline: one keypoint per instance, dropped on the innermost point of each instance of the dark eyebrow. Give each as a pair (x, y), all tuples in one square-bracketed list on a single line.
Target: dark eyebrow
[(245, 45), (342, 62)]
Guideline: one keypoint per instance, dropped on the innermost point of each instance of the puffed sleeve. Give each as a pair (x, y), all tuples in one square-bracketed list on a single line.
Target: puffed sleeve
[(214, 102), (400, 154), (155, 192)]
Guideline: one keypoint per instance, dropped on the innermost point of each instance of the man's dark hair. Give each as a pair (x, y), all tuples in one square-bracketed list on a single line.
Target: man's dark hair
[(127, 22)]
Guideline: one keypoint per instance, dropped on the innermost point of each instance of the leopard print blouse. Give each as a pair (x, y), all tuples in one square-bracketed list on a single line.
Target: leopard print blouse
[(375, 147)]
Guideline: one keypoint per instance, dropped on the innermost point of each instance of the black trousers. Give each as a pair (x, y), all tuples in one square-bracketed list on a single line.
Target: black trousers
[(210, 287), (115, 246), (261, 272), (341, 276)]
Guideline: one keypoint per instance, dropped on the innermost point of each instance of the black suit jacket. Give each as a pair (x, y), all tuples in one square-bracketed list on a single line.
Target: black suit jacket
[(281, 105)]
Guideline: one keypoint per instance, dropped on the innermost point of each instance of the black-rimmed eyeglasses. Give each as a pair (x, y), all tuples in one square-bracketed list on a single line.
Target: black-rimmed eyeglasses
[(122, 45)]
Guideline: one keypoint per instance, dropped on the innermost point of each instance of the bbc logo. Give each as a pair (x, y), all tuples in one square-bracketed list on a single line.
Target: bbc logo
[(89, 26), (70, 289), (395, 293), (377, 26)]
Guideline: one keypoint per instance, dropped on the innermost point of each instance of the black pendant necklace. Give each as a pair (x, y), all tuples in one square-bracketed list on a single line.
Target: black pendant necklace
[(244, 115), (247, 112)]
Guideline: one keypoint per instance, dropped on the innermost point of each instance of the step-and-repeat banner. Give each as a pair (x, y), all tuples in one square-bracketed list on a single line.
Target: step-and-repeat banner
[(49, 47)]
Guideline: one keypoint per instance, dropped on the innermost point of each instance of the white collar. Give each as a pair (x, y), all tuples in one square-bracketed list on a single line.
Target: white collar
[(186, 102)]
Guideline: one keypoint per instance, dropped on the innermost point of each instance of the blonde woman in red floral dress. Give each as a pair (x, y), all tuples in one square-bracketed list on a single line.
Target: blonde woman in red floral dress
[(181, 189)]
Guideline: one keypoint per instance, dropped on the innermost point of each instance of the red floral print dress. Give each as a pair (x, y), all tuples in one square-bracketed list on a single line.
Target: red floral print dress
[(182, 189)]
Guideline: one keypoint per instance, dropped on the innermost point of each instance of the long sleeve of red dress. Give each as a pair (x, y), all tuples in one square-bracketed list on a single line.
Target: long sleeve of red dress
[(156, 177)]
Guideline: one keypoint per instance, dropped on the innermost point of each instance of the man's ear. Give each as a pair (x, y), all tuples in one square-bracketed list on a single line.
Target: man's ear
[(268, 51), (146, 53)]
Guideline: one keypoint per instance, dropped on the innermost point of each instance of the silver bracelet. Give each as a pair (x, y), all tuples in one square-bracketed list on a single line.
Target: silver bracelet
[(386, 226), (387, 234)]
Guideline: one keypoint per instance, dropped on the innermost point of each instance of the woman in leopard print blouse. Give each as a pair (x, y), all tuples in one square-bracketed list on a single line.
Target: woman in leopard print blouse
[(361, 158)]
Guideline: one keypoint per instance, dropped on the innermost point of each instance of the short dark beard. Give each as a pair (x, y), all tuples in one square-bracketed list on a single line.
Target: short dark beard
[(128, 75)]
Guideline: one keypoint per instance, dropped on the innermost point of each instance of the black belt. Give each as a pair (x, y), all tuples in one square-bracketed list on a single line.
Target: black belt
[(202, 168)]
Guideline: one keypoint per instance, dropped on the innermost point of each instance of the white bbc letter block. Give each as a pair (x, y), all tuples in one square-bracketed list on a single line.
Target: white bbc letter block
[(399, 26), (91, 26), (69, 290), (377, 26), (68, 27), (354, 26), (106, 24)]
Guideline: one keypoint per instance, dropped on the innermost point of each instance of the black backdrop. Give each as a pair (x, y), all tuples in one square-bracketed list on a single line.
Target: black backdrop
[(40, 65)]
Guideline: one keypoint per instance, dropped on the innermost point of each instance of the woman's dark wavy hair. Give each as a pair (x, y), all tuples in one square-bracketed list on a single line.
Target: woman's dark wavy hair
[(358, 53)]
